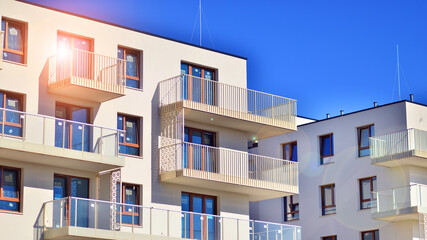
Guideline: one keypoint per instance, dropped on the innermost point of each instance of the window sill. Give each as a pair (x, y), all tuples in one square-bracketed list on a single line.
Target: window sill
[(11, 212), (135, 89), (328, 215), (16, 63), (130, 156), (327, 163), (364, 156), (293, 220)]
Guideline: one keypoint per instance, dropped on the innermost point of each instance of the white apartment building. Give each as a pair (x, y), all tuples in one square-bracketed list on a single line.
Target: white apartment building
[(342, 160), (108, 132)]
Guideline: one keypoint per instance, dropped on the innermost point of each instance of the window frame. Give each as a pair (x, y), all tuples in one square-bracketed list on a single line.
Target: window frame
[(359, 138), (202, 68), (332, 237), (138, 201), (138, 141), (23, 27), (331, 149), (322, 190), (361, 200), (68, 182), (190, 136), (138, 65), (18, 187), (21, 107), (291, 151), (291, 204), (370, 231)]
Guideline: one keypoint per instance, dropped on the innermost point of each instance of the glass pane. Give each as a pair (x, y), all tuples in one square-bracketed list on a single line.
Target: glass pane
[(210, 209), (377, 235), (132, 83), (374, 184), (13, 103), (208, 75), (196, 72), (79, 114), (130, 195), (287, 152), (294, 156), (372, 128), (120, 127), (364, 137), (326, 145), (59, 188), (327, 195), (185, 206), (184, 68), (209, 139), (3, 27), (131, 131), (9, 206), (132, 64), (186, 137), (129, 150), (367, 236), (366, 189), (197, 218), (82, 44), (196, 137), (120, 53), (14, 37), (79, 188), (10, 183), (64, 41)]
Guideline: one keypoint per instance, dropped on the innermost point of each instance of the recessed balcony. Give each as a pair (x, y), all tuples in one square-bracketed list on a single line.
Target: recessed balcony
[(85, 75), (408, 147), (223, 169), (53, 141), (259, 114), (399, 204), (78, 218)]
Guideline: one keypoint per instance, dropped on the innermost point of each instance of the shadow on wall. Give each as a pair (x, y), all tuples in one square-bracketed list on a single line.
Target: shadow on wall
[(38, 226), (44, 100)]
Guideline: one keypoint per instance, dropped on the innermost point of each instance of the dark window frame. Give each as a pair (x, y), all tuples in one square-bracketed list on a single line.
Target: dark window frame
[(361, 200), (324, 207), (68, 182), (332, 237), (331, 149), (138, 65), (370, 231), (21, 109), (291, 152), (291, 205), (359, 138), (190, 136), (138, 135), (18, 187), (23, 27)]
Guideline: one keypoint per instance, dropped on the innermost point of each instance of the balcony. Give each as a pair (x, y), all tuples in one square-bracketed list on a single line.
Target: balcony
[(223, 169), (399, 204), (78, 218), (259, 114), (1, 49), (57, 142), (86, 75), (408, 147)]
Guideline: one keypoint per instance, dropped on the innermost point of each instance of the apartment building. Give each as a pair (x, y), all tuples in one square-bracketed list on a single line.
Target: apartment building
[(108, 132), (362, 175)]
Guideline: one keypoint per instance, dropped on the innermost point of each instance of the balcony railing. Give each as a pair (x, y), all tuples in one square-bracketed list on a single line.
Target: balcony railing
[(60, 133), (86, 69), (397, 145), (395, 199), (108, 220), (230, 166), (223, 99)]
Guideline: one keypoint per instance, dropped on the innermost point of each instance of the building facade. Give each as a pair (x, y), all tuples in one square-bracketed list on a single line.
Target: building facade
[(362, 175), (112, 133)]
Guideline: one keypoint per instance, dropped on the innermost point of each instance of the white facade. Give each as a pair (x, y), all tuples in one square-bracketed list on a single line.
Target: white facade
[(399, 210), (38, 159)]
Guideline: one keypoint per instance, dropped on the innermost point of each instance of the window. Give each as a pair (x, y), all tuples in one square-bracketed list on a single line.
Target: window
[(328, 199), (366, 186), (199, 84), (129, 194), (330, 237), (129, 140), (371, 235), (291, 208), (10, 185), (75, 133), (132, 66), (290, 151), (326, 146), (364, 133), (14, 40), (193, 224), (198, 151), (12, 120)]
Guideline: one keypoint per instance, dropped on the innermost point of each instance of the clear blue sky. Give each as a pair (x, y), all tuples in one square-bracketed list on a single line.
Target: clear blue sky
[(329, 55)]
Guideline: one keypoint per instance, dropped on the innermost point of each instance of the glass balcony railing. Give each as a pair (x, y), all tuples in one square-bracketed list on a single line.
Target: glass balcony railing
[(227, 100), (392, 200), (59, 133), (107, 220)]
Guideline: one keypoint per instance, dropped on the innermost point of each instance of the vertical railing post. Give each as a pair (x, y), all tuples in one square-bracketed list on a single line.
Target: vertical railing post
[(83, 137), (101, 141), (393, 192), (63, 133), (75, 212), (167, 224), (61, 211), (44, 131), (151, 221)]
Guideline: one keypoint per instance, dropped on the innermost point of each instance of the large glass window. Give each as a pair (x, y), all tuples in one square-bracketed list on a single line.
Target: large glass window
[(75, 211), (199, 84), (14, 40), (129, 194), (12, 120), (200, 154), (73, 134), (198, 226), (371, 235), (10, 199), (328, 199), (367, 185), (364, 133), (290, 151), (326, 146), (129, 140), (291, 208), (132, 59)]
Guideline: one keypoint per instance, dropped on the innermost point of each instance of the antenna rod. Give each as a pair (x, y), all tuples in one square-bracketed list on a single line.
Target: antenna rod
[(200, 21), (398, 70)]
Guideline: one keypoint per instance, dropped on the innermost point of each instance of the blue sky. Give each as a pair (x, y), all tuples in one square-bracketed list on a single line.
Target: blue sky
[(329, 55)]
